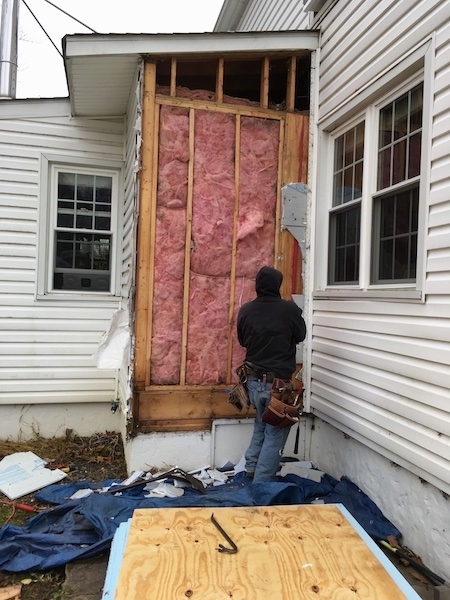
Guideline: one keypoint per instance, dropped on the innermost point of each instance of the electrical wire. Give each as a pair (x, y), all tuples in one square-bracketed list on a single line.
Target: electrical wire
[(72, 17), (43, 29), (41, 26)]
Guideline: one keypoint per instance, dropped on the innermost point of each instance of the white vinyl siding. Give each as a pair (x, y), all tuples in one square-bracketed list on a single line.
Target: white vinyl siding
[(46, 346), (438, 256), (266, 15), (133, 131), (380, 370)]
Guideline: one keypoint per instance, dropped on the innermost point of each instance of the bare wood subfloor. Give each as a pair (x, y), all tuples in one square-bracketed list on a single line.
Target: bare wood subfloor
[(307, 551)]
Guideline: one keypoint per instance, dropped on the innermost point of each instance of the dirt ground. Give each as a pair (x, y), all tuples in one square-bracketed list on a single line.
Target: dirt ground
[(96, 458)]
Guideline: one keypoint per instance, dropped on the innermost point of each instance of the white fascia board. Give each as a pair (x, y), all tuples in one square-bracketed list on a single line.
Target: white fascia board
[(190, 43), (34, 107)]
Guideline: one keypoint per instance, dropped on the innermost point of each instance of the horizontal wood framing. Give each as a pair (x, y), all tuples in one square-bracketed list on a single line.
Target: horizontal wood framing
[(183, 407)]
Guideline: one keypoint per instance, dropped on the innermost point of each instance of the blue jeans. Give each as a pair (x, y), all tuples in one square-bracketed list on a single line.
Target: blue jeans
[(266, 447)]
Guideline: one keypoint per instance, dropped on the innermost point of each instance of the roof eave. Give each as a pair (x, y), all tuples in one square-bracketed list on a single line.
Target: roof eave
[(187, 43), (92, 60)]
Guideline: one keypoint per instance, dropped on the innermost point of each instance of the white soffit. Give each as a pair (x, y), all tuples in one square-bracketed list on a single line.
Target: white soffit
[(101, 69)]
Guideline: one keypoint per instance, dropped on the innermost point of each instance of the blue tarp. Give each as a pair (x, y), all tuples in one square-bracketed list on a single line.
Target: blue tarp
[(76, 529)]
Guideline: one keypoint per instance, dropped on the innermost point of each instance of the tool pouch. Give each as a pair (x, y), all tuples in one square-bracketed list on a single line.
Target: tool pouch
[(284, 406), (238, 396)]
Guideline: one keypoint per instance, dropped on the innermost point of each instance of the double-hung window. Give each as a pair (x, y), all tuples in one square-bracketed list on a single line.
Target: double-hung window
[(345, 216), (376, 173), (81, 231), (396, 201)]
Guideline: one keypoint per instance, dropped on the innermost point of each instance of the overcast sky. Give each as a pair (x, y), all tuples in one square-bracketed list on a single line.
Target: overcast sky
[(41, 71)]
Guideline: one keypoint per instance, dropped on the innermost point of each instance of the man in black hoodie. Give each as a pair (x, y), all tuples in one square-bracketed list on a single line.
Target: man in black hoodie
[(268, 328)]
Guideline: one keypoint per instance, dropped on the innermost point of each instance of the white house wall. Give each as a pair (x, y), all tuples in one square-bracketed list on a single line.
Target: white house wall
[(46, 346), (380, 370), (133, 131), (266, 15)]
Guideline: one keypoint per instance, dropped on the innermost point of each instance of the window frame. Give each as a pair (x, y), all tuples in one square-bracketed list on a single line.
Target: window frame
[(50, 166), (370, 115), (344, 207)]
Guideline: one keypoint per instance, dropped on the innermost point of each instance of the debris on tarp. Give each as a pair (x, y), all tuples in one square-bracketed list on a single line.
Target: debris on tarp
[(24, 472), (165, 490), (138, 479), (84, 527), (303, 469)]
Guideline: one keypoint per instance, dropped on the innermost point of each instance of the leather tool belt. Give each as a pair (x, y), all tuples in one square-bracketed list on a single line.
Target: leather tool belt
[(265, 376), (284, 405)]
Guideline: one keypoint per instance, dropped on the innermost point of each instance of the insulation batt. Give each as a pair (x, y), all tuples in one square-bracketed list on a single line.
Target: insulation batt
[(209, 291), (168, 295)]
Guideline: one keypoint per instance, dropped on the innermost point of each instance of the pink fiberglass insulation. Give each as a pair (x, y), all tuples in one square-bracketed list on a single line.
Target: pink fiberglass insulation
[(173, 156), (207, 347), (168, 296), (209, 96), (244, 292), (212, 236), (214, 193), (257, 194), (170, 238)]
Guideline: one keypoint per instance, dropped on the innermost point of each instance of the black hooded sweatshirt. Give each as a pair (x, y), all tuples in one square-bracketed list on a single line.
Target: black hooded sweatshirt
[(269, 327)]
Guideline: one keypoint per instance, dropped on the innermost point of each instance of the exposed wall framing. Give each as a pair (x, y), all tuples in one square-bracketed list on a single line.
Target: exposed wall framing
[(181, 405)]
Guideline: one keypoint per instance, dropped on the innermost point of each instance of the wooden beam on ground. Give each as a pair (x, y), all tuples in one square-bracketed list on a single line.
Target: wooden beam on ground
[(11, 592)]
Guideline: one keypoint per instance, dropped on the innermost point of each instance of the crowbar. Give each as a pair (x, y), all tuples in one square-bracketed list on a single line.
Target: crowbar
[(221, 547)]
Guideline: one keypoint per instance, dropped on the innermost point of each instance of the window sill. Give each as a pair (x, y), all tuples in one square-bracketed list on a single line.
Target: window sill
[(384, 295), (93, 298)]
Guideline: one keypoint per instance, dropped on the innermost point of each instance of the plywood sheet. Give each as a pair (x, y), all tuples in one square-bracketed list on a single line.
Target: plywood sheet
[(284, 552)]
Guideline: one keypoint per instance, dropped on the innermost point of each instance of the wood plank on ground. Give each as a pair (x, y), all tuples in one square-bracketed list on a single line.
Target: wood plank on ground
[(288, 552)]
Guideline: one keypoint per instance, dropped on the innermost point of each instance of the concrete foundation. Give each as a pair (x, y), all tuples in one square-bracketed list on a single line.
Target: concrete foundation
[(418, 509), (26, 421)]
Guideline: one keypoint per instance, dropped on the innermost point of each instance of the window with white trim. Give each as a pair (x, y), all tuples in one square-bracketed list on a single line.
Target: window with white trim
[(391, 134), (81, 227), (345, 215)]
